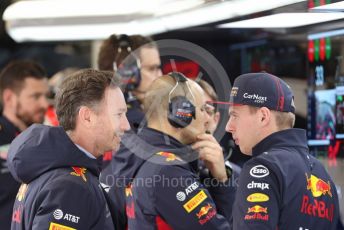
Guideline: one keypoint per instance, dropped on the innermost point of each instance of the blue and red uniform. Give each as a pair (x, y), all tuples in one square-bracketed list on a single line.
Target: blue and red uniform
[(284, 187)]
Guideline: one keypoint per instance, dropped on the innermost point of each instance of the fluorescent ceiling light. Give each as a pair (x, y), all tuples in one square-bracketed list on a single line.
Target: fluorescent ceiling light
[(90, 8), (333, 7), (70, 8), (55, 20), (325, 34), (84, 32), (284, 20)]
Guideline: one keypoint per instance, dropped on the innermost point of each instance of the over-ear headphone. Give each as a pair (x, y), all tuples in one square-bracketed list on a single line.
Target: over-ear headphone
[(129, 68), (180, 110)]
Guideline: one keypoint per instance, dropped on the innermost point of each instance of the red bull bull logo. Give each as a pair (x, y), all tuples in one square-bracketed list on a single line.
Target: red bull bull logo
[(128, 190), (205, 214), (168, 156), (203, 211), (17, 213), (317, 186), (80, 172), (130, 210), (257, 209)]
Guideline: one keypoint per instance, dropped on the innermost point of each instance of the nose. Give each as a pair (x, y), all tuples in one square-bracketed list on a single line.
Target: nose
[(229, 126), (44, 102), (159, 72), (125, 126), (207, 117)]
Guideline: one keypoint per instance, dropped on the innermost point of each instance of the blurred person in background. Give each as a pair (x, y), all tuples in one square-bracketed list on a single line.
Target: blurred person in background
[(23, 91), (54, 84), (136, 59)]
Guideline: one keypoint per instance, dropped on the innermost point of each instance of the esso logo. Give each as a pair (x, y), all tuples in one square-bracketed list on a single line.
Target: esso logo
[(259, 171)]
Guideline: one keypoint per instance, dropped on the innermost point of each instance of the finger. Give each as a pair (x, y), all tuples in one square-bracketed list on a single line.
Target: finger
[(210, 154), (203, 144), (205, 136)]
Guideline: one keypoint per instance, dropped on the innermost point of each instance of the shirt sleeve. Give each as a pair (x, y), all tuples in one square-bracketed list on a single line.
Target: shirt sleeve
[(257, 198), (184, 203), (66, 205)]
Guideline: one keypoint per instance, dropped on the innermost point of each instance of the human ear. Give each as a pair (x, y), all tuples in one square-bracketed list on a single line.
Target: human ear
[(265, 116), (8, 97), (85, 116)]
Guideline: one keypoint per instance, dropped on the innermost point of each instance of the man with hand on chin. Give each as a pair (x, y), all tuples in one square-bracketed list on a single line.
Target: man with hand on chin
[(166, 191)]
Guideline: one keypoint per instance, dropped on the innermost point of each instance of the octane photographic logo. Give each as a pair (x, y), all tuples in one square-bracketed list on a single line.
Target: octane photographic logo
[(209, 66)]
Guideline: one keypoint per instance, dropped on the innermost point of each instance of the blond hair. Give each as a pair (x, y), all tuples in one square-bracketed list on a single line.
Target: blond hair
[(157, 97)]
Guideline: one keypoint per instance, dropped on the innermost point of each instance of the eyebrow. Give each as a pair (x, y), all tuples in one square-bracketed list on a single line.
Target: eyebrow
[(122, 110), (231, 112)]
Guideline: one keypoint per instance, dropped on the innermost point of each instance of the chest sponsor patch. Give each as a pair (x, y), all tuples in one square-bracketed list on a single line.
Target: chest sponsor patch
[(195, 201), (257, 197), (54, 226), (318, 187), (259, 171), (80, 172), (317, 208)]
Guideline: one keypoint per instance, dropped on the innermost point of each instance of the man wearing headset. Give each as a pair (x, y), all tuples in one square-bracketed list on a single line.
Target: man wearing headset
[(165, 191), (136, 58)]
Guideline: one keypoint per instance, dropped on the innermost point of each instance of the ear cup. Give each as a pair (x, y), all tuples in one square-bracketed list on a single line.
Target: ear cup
[(129, 68), (130, 73), (181, 112)]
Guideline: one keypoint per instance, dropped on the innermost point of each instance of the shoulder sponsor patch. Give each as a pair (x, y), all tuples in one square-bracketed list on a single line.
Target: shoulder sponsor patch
[(257, 209), (195, 201), (259, 185), (257, 197), (259, 171), (54, 226), (205, 214), (257, 212), (181, 195), (58, 215)]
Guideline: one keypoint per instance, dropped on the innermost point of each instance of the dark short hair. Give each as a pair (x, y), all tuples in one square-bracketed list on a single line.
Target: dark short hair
[(109, 49), (83, 88), (14, 74)]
